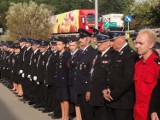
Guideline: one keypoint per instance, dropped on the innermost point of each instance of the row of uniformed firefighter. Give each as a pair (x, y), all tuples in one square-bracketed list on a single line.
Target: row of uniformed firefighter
[(68, 72)]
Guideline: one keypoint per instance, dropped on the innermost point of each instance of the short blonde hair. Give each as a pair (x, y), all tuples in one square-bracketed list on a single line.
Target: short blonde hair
[(152, 36)]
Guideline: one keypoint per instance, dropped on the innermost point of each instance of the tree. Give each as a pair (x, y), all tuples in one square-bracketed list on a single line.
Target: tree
[(145, 14), (28, 20)]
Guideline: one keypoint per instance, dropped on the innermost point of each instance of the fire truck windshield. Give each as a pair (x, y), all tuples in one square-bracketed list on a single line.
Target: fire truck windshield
[(91, 18)]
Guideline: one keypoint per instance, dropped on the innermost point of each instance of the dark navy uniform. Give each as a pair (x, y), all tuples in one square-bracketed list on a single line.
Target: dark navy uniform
[(41, 76), (100, 69), (73, 60), (52, 103), (154, 102), (120, 82), (62, 81)]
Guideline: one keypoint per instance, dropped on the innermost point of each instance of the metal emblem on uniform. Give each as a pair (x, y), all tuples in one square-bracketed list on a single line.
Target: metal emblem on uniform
[(43, 62), (121, 53), (13, 61), (119, 60), (105, 62), (105, 55), (85, 66), (34, 60), (80, 67), (60, 66)]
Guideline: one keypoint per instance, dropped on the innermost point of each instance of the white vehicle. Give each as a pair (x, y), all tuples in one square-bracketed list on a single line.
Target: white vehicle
[(115, 20)]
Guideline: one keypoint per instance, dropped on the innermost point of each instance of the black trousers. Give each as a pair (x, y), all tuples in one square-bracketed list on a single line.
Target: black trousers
[(100, 113), (86, 108), (119, 114)]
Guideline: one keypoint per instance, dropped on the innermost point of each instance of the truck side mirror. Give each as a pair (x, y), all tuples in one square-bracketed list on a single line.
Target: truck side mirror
[(83, 20)]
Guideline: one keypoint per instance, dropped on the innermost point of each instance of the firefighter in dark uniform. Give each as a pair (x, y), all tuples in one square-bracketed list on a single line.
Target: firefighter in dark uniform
[(119, 90), (15, 71), (40, 75), (74, 55), (154, 107), (10, 65), (62, 80), (22, 43), (7, 63), (50, 77), (26, 67), (32, 64), (82, 74), (52, 103), (98, 75)]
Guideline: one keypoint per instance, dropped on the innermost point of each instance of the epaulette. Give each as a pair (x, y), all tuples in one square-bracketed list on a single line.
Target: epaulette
[(157, 60)]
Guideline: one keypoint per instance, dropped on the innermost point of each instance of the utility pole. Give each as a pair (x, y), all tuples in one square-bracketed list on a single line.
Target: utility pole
[(96, 14)]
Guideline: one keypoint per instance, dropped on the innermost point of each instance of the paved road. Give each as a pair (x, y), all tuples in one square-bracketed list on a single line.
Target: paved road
[(13, 109)]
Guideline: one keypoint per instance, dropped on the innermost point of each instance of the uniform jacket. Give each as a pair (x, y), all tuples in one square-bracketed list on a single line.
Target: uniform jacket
[(120, 79), (50, 75), (26, 62), (42, 67), (84, 64), (33, 63), (15, 63), (62, 68), (20, 58), (98, 77), (154, 101), (73, 66)]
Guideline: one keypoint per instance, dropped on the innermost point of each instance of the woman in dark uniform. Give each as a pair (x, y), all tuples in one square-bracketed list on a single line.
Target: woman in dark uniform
[(73, 59), (16, 76), (62, 80)]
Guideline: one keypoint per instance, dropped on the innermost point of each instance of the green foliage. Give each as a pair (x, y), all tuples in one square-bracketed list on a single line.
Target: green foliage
[(28, 20), (145, 14)]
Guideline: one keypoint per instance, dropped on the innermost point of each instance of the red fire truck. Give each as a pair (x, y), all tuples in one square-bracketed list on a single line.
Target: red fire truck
[(70, 22)]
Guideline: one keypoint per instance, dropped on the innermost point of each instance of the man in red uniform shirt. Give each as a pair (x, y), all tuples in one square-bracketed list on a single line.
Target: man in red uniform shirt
[(146, 72)]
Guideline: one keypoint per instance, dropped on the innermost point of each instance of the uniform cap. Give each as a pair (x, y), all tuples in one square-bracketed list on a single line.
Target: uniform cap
[(115, 34), (54, 42), (73, 38), (62, 39), (22, 39), (83, 33), (157, 45), (35, 42), (102, 38), (44, 43), (133, 36), (16, 45), (9, 43), (95, 32), (28, 40)]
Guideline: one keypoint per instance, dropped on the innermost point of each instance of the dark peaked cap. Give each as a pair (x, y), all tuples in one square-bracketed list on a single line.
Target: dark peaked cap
[(95, 32), (35, 42), (16, 45), (83, 33), (43, 43), (157, 45), (102, 38), (115, 34), (73, 38), (62, 39), (22, 39)]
